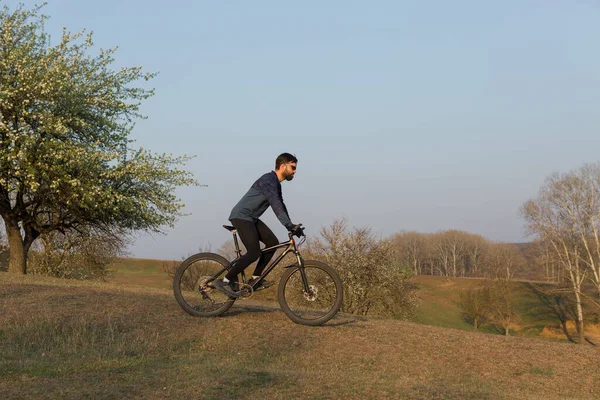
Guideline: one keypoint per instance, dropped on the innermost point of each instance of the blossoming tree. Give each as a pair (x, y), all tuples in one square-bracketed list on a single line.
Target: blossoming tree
[(66, 160)]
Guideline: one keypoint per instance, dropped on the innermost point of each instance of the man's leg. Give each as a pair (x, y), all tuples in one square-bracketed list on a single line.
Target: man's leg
[(250, 236), (269, 239)]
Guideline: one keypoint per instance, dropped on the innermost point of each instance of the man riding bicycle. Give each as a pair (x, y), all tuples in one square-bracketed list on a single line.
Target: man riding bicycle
[(265, 192)]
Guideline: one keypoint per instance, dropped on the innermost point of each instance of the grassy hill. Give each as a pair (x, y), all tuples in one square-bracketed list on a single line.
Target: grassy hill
[(440, 306), (72, 340), (439, 300)]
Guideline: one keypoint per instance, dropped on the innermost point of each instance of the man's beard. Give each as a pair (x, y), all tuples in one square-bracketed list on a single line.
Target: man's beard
[(289, 177)]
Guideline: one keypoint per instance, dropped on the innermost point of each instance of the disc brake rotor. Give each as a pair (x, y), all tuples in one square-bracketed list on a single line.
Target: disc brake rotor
[(312, 295)]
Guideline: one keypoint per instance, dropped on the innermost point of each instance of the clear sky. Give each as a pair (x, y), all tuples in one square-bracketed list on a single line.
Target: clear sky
[(421, 115)]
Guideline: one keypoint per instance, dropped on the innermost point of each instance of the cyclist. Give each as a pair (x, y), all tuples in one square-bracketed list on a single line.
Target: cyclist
[(265, 192)]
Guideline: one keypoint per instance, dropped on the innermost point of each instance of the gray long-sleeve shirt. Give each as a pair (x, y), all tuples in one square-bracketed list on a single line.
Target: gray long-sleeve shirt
[(265, 192)]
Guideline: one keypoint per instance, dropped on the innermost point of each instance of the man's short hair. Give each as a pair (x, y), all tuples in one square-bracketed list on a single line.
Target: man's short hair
[(285, 158)]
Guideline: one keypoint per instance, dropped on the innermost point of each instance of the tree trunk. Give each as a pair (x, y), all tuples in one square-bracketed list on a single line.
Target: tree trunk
[(17, 262), (576, 280), (580, 326)]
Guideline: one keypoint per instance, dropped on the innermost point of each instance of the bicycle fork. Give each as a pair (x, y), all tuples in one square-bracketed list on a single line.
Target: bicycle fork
[(303, 273)]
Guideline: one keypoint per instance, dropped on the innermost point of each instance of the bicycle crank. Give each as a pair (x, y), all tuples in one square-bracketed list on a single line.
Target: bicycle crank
[(246, 290), (202, 286)]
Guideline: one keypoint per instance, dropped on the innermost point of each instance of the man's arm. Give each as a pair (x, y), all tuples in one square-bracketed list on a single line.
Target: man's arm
[(268, 185)]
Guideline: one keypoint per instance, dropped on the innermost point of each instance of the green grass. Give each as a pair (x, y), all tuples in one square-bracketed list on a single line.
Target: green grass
[(433, 313), (440, 306), (534, 370), (439, 302), (541, 371)]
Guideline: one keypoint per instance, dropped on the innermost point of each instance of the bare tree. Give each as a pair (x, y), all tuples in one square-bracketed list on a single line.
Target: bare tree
[(501, 309), (449, 252), (475, 305), (543, 258), (490, 304), (455, 244), (475, 250), (585, 185), (503, 259), (556, 216), (440, 258), (411, 248)]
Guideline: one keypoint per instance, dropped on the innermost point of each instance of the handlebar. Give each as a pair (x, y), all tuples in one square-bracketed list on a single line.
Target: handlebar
[(299, 231)]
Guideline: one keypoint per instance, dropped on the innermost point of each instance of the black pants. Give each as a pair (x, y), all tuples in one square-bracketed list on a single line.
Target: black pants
[(252, 233)]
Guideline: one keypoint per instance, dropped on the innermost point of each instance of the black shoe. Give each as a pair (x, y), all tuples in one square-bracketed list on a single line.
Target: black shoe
[(260, 285), (224, 287)]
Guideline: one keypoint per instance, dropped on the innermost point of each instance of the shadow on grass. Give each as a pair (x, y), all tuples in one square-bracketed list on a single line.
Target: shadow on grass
[(241, 309), (339, 320), (336, 322), (590, 342)]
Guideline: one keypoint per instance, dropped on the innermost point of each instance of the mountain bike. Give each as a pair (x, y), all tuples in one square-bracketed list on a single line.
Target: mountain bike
[(310, 292)]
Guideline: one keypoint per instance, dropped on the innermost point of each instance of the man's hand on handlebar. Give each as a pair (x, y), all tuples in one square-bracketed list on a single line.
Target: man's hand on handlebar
[(297, 230)]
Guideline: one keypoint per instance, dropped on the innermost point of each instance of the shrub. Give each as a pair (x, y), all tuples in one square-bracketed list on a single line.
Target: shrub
[(475, 304), (491, 305), (82, 255), (374, 282)]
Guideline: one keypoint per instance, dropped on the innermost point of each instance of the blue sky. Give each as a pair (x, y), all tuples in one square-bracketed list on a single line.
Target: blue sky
[(423, 116)]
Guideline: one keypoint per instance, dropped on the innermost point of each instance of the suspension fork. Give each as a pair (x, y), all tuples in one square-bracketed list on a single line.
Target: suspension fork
[(302, 270)]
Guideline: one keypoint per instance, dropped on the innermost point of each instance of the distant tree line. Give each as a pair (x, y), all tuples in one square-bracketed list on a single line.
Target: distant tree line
[(455, 253)]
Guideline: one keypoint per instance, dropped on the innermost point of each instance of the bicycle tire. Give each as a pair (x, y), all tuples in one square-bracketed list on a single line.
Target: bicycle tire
[(311, 308), (188, 279)]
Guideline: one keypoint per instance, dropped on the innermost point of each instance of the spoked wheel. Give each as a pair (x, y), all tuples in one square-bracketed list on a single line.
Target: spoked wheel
[(320, 302), (191, 289)]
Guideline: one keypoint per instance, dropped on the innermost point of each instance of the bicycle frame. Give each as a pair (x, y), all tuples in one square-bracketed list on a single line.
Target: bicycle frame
[(290, 246)]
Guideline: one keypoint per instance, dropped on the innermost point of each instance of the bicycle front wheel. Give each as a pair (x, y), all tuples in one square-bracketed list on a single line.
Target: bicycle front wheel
[(320, 302), (191, 289)]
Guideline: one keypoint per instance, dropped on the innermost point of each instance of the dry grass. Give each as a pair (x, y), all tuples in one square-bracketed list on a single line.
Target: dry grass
[(141, 271), (73, 340)]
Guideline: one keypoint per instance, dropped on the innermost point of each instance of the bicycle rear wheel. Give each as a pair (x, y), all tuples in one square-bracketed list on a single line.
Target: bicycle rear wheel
[(317, 305), (190, 285)]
